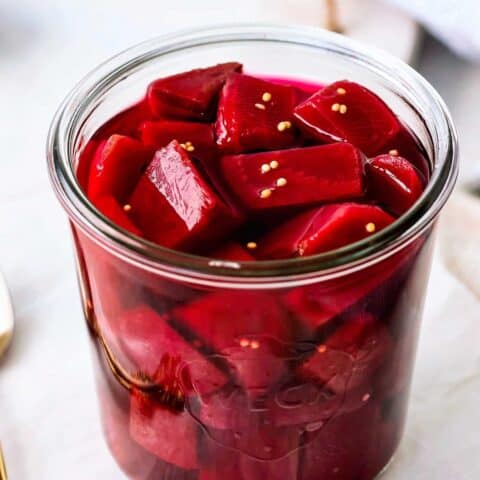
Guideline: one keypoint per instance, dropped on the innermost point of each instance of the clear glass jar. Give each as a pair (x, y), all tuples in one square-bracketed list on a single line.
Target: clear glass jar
[(295, 392)]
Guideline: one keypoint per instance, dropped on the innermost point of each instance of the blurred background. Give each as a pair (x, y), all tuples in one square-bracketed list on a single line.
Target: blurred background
[(48, 413)]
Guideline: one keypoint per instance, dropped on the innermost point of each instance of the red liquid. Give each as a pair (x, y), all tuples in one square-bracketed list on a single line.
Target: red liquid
[(304, 383)]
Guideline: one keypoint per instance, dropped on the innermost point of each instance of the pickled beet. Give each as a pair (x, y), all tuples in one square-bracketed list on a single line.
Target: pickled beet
[(174, 206), (322, 229), (118, 153), (114, 211), (151, 424), (296, 177), (148, 340), (189, 95), (347, 111), (320, 307), (246, 122), (349, 358), (248, 330), (197, 138), (394, 182)]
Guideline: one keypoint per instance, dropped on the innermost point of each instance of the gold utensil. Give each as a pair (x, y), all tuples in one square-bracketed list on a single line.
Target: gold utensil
[(3, 468), (6, 317), (6, 334)]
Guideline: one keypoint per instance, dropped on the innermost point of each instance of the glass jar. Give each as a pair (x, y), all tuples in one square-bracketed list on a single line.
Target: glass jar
[(293, 369)]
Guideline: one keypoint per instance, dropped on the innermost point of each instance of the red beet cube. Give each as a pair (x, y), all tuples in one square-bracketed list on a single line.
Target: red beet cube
[(190, 95), (168, 434), (246, 122), (158, 351), (322, 229), (197, 138), (349, 359), (174, 206), (113, 211), (347, 111), (222, 320), (296, 177), (394, 182), (116, 168), (251, 329), (135, 461), (406, 145)]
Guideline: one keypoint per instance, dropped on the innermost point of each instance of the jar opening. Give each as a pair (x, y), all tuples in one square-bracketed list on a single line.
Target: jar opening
[(66, 134)]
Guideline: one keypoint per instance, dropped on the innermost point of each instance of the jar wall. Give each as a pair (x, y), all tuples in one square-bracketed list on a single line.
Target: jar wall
[(303, 382)]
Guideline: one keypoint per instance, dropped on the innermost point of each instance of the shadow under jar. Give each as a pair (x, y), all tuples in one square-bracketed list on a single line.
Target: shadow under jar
[(293, 392)]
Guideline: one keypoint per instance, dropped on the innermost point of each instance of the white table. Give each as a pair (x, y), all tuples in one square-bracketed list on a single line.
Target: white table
[(49, 423)]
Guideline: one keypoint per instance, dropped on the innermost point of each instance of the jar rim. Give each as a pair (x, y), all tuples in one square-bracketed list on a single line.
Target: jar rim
[(204, 270)]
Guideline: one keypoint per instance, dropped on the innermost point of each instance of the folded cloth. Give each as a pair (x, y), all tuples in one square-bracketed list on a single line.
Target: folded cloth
[(457, 23)]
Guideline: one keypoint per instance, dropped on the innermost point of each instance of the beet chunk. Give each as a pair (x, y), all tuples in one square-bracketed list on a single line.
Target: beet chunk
[(222, 320), (189, 95), (197, 138), (168, 434), (246, 122), (349, 359), (295, 178), (394, 182), (406, 145), (116, 168), (347, 111), (250, 330), (174, 206), (157, 349), (322, 229), (113, 211)]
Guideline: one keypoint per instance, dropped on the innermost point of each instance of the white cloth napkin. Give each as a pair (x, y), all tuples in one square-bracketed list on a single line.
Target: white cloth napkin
[(456, 22)]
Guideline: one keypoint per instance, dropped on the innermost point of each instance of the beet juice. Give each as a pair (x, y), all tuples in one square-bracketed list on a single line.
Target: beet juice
[(241, 376)]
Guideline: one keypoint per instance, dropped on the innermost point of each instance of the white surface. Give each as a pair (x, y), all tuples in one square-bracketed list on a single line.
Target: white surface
[(49, 426), (106, 20)]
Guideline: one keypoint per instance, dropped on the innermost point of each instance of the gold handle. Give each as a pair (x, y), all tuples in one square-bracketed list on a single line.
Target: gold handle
[(332, 20), (3, 468)]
